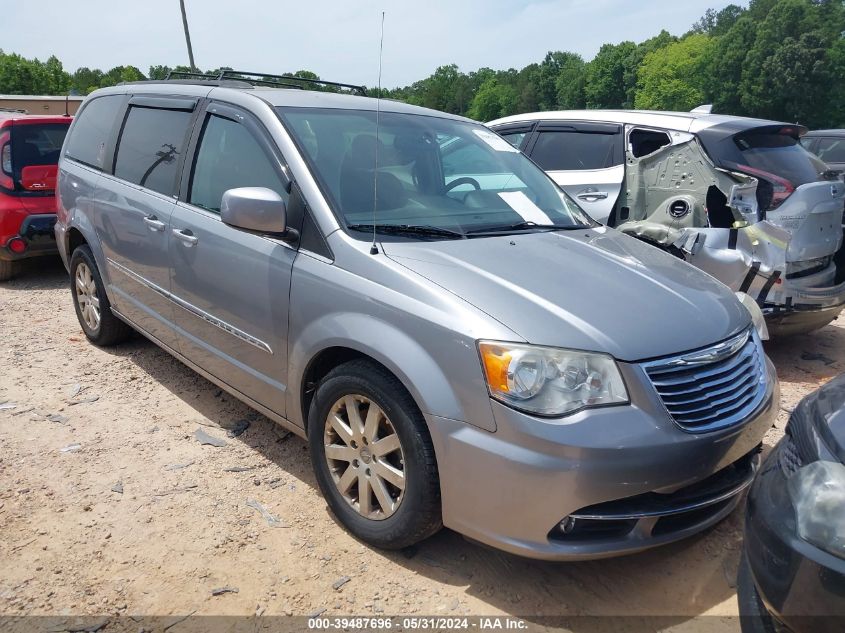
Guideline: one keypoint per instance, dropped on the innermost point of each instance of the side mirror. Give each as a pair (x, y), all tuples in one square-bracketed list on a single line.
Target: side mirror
[(256, 209)]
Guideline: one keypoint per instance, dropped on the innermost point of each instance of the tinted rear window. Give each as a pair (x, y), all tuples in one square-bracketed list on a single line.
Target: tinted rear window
[(781, 155), (91, 131), (36, 145), (151, 143), (560, 151)]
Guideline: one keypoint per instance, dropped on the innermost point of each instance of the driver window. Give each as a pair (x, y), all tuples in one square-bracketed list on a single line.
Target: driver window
[(229, 157)]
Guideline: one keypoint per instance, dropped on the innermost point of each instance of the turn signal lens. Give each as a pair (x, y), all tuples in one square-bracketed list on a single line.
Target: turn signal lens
[(496, 362)]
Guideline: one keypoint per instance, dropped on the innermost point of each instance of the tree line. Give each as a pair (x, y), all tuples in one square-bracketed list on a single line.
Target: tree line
[(774, 59)]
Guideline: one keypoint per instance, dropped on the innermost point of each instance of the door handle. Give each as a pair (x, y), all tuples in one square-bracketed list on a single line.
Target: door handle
[(154, 223), (186, 237), (592, 196)]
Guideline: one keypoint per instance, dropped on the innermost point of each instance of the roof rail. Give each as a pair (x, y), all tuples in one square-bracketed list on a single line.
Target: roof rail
[(281, 80)]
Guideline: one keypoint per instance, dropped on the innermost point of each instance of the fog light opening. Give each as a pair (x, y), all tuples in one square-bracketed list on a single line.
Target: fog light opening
[(16, 245), (567, 525)]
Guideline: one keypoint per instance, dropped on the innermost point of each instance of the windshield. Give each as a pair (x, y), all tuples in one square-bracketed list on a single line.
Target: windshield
[(446, 176)]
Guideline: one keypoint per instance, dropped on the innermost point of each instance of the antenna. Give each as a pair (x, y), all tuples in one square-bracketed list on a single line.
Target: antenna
[(374, 248)]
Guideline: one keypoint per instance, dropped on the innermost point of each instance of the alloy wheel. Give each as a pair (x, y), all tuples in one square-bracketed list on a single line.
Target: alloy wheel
[(86, 296), (365, 457)]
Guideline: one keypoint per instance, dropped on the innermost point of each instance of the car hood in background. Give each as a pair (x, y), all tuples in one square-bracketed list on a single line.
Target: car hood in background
[(589, 289)]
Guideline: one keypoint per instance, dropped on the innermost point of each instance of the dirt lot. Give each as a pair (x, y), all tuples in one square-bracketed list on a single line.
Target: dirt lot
[(109, 505)]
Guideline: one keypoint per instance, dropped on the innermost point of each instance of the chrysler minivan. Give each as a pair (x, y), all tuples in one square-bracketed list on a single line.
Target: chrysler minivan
[(459, 346)]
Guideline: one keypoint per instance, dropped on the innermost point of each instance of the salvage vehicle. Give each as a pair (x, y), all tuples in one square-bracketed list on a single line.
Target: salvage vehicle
[(739, 198), (828, 145), (29, 153), (792, 573), (457, 349)]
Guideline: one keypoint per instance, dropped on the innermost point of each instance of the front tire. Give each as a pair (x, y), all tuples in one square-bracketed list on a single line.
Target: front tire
[(91, 302), (373, 456)]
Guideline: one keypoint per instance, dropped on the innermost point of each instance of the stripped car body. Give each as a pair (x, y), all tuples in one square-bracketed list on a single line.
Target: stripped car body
[(739, 198)]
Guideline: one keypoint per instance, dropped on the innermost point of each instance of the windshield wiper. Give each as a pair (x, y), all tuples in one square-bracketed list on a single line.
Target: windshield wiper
[(409, 229), (523, 226)]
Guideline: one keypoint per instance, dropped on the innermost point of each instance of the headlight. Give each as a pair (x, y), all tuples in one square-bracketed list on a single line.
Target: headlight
[(817, 491), (550, 381)]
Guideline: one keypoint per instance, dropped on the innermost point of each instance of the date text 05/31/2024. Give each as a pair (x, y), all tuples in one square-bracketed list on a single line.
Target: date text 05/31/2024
[(479, 623)]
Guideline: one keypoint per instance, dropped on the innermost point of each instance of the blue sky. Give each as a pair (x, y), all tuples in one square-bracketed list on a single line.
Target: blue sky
[(336, 39)]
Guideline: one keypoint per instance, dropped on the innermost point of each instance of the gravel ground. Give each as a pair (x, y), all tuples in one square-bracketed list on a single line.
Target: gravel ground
[(110, 505)]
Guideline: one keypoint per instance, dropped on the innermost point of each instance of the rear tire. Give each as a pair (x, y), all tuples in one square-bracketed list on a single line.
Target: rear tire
[(91, 302), (386, 493), (8, 269)]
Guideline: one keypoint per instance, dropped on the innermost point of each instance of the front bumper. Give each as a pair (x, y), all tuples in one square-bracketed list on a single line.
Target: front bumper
[(802, 586), (37, 232), (511, 489)]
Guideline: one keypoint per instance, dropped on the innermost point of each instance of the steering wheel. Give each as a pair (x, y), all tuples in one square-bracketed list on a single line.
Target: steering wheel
[(464, 180)]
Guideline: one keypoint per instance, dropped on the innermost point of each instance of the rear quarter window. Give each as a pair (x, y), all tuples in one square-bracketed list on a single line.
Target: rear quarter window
[(90, 133)]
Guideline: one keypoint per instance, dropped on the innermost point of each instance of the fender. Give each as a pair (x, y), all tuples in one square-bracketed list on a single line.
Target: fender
[(402, 354), (80, 221)]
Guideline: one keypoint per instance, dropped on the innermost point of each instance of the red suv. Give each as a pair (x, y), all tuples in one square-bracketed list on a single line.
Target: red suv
[(29, 151)]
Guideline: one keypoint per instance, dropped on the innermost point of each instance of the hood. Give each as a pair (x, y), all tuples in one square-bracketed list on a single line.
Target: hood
[(590, 289), (821, 415)]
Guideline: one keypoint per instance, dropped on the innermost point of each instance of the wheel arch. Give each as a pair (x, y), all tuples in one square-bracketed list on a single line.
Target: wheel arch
[(320, 348)]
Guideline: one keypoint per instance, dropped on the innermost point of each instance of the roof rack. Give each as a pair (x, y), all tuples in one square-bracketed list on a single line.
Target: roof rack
[(262, 79)]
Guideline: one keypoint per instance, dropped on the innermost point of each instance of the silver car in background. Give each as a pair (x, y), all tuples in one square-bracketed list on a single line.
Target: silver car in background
[(739, 198), (459, 347)]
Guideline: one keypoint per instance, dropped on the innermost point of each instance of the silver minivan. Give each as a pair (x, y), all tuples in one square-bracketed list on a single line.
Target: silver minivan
[(739, 198), (458, 341)]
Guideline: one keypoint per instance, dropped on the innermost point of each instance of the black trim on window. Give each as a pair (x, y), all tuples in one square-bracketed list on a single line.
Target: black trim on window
[(164, 103)]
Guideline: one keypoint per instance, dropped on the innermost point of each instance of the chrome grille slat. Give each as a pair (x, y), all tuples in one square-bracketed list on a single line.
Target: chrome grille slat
[(680, 371), (709, 392), (723, 374), (740, 394), (670, 398)]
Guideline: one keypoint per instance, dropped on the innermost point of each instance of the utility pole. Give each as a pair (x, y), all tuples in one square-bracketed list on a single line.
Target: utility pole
[(187, 36)]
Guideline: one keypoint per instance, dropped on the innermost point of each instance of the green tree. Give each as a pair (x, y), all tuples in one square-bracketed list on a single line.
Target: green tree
[(493, 99), (632, 64), (787, 72), (724, 66), (605, 79), (570, 82), (672, 77), (716, 23)]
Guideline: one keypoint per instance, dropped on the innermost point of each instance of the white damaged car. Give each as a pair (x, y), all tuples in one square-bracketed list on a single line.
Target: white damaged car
[(739, 198)]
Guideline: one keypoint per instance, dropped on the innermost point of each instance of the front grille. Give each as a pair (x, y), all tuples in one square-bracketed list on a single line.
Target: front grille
[(712, 388)]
